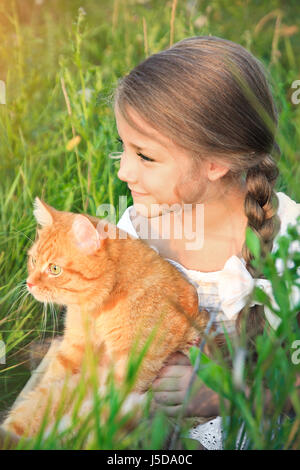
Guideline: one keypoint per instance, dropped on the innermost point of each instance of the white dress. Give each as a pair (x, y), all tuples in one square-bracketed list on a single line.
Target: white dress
[(223, 294)]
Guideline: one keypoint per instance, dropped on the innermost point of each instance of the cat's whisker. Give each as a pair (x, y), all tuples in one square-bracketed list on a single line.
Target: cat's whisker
[(44, 320), (22, 233), (23, 296), (54, 316), (23, 287), (22, 291), (14, 303), (19, 286), (56, 320)]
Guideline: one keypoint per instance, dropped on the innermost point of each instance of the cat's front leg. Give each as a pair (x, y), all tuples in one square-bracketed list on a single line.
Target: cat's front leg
[(26, 417), (8, 440), (133, 407), (39, 372)]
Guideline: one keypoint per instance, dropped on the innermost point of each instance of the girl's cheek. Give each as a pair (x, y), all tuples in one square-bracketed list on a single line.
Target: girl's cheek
[(154, 180)]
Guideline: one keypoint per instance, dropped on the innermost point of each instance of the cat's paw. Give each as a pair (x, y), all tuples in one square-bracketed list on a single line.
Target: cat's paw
[(134, 406), (22, 421), (8, 440), (12, 426), (134, 401), (63, 426)]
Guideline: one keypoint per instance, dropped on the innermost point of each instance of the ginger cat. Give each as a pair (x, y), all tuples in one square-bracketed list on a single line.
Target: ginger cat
[(114, 289)]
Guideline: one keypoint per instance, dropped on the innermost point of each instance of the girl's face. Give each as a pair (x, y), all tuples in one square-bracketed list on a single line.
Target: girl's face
[(155, 169)]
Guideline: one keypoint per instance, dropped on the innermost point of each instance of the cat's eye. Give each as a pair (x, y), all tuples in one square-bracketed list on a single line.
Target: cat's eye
[(33, 261), (54, 269)]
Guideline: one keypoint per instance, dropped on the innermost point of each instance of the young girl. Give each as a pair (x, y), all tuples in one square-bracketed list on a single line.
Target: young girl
[(198, 126)]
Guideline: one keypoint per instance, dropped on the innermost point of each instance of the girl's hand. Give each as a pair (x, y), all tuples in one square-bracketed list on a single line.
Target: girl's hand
[(170, 387)]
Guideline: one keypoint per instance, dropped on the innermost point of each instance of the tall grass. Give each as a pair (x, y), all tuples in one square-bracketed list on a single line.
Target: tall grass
[(60, 62)]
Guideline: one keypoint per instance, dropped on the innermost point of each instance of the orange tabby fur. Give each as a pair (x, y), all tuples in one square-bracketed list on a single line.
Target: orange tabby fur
[(114, 289)]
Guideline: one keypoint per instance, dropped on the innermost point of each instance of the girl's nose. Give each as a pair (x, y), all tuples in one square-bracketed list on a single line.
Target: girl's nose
[(128, 170)]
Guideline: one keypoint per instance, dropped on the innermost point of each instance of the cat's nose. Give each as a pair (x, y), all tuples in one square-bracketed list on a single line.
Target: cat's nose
[(29, 285)]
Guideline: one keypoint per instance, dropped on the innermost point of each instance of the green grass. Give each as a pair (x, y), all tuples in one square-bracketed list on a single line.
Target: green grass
[(48, 46)]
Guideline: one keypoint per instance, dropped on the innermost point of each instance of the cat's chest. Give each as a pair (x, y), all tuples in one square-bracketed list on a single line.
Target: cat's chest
[(111, 325)]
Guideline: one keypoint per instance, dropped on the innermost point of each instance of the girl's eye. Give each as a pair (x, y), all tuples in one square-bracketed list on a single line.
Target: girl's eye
[(54, 269), (143, 157)]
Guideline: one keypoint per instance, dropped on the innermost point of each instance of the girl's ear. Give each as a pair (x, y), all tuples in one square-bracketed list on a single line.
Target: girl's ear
[(216, 171), (42, 213), (86, 236)]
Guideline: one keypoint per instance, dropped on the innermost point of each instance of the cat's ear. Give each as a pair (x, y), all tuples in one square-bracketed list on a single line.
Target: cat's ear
[(42, 213), (85, 234)]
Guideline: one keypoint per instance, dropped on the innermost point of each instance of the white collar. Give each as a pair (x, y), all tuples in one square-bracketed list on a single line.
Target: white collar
[(235, 285)]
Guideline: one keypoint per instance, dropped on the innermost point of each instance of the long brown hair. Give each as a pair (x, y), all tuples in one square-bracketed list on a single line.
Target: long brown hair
[(212, 98)]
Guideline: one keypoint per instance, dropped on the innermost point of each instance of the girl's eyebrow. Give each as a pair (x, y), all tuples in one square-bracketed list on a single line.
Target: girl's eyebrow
[(142, 146), (155, 139)]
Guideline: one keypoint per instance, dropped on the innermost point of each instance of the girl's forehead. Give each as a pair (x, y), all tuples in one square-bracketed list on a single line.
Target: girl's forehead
[(139, 128)]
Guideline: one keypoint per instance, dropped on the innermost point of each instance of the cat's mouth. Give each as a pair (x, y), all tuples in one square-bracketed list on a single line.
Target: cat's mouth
[(40, 296), (46, 296)]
